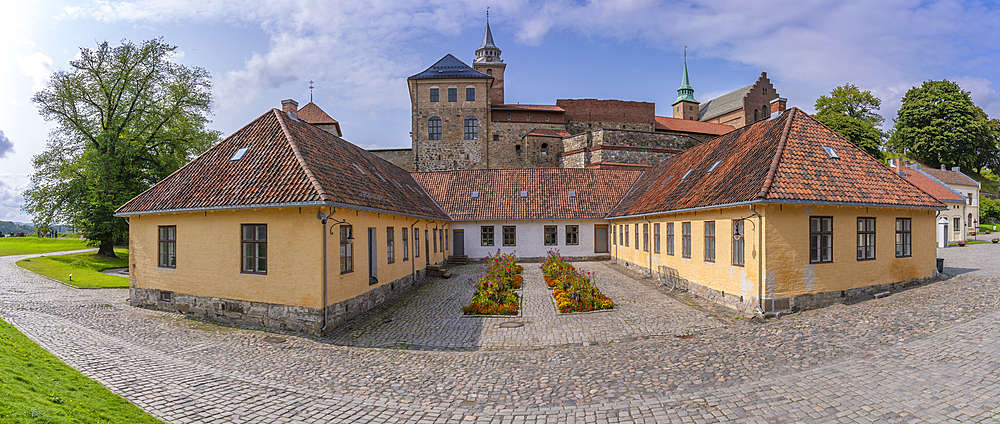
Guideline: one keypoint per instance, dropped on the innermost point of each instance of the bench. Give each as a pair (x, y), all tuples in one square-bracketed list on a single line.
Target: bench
[(668, 277)]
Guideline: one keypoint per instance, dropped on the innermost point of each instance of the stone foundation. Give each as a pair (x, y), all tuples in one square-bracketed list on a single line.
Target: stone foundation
[(298, 319), (748, 304)]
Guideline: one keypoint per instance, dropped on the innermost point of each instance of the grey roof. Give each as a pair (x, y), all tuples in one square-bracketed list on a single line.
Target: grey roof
[(916, 167), (723, 104), (488, 39), (449, 67)]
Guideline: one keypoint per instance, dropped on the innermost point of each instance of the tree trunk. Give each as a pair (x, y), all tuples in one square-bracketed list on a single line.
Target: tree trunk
[(107, 249)]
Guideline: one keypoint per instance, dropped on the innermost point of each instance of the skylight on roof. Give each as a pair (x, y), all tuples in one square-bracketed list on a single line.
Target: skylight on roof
[(239, 154), (666, 180), (713, 166), (362, 171), (475, 195), (572, 193), (830, 152), (524, 193), (687, 173)]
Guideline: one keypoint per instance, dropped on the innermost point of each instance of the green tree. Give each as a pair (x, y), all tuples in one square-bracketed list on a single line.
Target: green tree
[(939, 124), (125, 117), (852, 113), (989, 209)]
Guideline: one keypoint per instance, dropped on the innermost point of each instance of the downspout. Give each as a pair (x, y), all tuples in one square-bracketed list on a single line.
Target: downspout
[(413, 261), (648, 242), (760, 261)]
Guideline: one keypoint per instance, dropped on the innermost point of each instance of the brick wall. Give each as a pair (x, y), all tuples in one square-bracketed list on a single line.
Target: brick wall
[(610, 111)]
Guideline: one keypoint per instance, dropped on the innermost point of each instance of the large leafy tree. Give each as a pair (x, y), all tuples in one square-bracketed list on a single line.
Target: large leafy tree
[(853, 114), (125, 117), (938, 123)]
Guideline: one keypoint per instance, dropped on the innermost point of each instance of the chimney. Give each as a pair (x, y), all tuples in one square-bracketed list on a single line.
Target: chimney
[(943, 168), (289, 106), (956, 169), (778, 105)]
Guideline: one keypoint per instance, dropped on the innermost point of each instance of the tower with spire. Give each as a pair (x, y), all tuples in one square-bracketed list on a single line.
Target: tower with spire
[(488, 61), (686, 107)]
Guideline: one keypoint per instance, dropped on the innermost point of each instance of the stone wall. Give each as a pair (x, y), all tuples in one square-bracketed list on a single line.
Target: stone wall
[(608, 146), (511, 149), (402, 158), (271, 316), (452, 151)]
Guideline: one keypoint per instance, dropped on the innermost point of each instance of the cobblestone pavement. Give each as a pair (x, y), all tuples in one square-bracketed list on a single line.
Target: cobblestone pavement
[(926, 354), (432, 317)]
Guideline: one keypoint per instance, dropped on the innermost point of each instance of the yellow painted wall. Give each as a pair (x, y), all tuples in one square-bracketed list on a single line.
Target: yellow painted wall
[(722, 274), (789, 272), (208, 255)]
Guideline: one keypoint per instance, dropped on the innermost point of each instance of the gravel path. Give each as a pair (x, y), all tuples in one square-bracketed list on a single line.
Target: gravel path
[(926, 354)]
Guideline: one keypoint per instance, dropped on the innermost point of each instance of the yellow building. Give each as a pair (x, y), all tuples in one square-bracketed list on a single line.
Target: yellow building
[(781, 214), (281, 225)]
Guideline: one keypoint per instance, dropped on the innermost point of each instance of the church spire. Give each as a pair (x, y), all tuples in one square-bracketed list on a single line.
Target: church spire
[(685, 93), (488, 51)]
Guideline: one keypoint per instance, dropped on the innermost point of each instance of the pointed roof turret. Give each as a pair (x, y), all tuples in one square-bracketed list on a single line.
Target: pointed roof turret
[(488, 52), (685, 93)]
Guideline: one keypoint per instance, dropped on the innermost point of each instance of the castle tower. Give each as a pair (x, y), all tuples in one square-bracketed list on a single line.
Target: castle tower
[(488, 62), (685, 107)]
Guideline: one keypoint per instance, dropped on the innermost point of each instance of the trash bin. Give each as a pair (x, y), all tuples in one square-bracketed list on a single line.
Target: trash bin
[(940, 264)]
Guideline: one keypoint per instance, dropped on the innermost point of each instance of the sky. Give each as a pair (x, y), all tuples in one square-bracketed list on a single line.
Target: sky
[(359, 53)]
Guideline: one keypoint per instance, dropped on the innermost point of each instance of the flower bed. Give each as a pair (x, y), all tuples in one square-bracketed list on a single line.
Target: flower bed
[(495, 287), (573, 291)]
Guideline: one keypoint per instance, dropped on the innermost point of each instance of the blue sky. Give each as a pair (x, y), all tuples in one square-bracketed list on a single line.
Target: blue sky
[(359, 54)]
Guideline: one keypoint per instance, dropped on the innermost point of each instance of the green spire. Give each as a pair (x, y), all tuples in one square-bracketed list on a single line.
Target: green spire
[(686, 92)]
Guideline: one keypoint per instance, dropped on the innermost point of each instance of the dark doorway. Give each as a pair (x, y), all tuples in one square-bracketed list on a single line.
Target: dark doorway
[(600, 239), (372, 257), (427, 247), (459, 237)]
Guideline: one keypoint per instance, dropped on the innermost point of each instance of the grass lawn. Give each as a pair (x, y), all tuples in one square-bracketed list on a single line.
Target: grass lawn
[(28, 245), (85, 267), (36, 387)]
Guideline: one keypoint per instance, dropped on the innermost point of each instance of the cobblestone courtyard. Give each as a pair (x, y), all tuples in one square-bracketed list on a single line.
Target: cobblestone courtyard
[(927, 354)]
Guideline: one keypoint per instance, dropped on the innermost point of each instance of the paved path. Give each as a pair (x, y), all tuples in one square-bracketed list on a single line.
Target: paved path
[(432, 318), (927, 354)]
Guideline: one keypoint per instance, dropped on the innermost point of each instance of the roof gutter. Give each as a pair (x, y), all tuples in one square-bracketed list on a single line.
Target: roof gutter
[(780, 201), (277, 206)]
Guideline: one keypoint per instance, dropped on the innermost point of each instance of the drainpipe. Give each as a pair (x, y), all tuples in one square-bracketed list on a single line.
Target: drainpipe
[(760, 261), (413, 261), (649, 228)]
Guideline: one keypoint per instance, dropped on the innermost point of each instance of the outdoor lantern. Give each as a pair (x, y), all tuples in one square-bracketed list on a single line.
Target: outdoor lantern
[(736, 232)]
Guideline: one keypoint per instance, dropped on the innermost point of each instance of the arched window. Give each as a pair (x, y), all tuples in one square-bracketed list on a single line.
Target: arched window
[(545, 148), (471, 128), (765, 112), (517, 149), (434, 128), (756, 115)]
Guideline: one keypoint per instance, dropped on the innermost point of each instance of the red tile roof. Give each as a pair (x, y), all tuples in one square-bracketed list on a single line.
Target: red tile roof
[(929, 186), (314, 115), (540, 108), (499, 192), (291, 163), (545, 132), (780, 160), (950, 177), (666, 123)]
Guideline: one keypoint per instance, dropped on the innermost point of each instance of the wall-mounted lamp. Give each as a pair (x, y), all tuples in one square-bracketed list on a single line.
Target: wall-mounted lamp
[(325, 218)]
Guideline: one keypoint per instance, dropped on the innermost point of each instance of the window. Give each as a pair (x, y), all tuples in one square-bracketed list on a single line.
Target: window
[(406, 245), (168, 246), (645, 237), (416, 243), (903, 239), (820, 239), (739, 242), (471, 128), (709, 241), (390, 244), (621, 235), (517, 149), (969, 197), (435, 240), (470, 94), (434, 94), (614, 235), (441, 237), (346, 249), (656, 237), (670, 238), (572, 235), (434, 128), (509, 235), (486, 236), (496, 137), (489, 72), (551, 235), (958, 225), (756, 115), (545, 148), (686, 240), (626, 235), (866, 239), (452, 94), (254, 248), (445, 244), (636, 236)]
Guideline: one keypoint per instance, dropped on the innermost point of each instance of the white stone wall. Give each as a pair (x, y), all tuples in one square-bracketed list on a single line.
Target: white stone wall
[(530, 238)]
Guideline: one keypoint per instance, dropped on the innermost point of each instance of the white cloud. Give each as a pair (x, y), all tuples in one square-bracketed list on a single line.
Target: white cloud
[(981, 90), (6, 146), (11, 199), (37, 65)]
